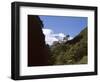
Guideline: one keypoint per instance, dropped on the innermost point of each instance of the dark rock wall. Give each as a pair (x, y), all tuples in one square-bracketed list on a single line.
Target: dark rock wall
[(37, 51)]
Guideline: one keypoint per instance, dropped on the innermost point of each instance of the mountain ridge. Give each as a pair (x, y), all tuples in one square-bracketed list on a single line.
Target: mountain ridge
[(71, 52)]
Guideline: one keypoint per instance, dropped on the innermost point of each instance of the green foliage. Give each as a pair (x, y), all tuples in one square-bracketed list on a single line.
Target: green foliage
[(71, 52)]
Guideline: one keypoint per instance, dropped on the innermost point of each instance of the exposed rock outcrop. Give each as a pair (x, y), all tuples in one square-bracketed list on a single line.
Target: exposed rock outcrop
[(37, 51)]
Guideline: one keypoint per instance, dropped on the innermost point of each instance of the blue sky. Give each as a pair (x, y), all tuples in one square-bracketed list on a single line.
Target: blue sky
[(57, 27), (65, 24)]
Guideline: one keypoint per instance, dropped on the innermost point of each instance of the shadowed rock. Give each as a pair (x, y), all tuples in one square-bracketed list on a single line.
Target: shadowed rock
[(37, 51), (75, 40)]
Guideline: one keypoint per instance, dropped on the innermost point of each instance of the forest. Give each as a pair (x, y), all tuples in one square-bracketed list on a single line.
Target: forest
[(71, 52)]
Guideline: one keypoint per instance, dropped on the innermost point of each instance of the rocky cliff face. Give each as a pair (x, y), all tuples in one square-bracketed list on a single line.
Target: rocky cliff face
[(37, 51)]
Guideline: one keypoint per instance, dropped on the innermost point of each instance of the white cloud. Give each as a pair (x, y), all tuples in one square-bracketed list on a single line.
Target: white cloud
[(70, 38), (47, 31), (50, 36)]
